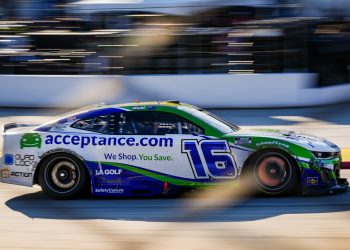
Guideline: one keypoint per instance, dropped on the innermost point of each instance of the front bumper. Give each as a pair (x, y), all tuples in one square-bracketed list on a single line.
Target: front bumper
[(341, 187), (322, 176), (320, 180)]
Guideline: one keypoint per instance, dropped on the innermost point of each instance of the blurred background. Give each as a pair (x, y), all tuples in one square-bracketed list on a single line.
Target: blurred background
[(139, 49), (60, 37), (280, 64)]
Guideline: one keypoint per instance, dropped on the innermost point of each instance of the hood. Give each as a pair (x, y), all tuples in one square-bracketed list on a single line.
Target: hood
[(312, 143)]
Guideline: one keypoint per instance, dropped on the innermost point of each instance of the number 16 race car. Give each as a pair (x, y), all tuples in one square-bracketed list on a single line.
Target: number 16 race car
[(163, 148)]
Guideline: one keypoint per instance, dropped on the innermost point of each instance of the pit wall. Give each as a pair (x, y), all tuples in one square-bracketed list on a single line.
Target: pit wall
[(208, 91)]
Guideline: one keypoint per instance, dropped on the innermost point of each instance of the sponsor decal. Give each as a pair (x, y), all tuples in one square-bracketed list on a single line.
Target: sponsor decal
[(5, 173), (20, 160), (133, 157), (111, 182), (109, 190), (21, 174), (108, 172), (85, 141), (8, 159), (120, 156), (139, 108), (25, 160), (30, 140), (155, 157), (312, 181), (272, 143), (243, 140)]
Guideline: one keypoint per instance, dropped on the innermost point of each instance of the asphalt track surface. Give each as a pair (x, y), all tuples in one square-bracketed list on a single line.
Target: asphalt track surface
[(30, 220)]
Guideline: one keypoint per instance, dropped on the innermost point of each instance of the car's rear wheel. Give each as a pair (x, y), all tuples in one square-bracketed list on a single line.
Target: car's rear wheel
[(62, 176), (274, 173)]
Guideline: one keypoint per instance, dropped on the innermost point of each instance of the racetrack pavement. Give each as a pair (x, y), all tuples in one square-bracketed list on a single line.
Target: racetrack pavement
[(30, 220)]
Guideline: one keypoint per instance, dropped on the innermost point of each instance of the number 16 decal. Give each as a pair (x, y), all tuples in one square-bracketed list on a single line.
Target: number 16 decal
[(210, 158)]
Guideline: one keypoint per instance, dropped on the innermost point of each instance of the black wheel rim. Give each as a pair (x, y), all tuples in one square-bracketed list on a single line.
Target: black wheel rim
[(62, 175)]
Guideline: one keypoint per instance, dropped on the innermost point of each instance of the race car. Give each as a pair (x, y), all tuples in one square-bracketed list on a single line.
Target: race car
[(163, 148)]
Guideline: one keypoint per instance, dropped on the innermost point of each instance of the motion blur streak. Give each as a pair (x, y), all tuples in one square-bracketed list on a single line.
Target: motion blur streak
[(227, 195), (149, 38)]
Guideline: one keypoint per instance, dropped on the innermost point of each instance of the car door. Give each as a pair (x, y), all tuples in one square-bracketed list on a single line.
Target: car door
[(169, 144), (148, 151)]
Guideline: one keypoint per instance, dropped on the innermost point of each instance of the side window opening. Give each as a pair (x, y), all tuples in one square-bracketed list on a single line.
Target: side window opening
[(153, 123), (125, 124), (189, 128), (98, 124)]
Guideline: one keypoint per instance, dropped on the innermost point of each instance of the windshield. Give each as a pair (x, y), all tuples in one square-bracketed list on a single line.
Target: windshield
[(211, 119)]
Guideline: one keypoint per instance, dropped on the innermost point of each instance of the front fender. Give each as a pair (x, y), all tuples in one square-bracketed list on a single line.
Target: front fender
[(302, 155)]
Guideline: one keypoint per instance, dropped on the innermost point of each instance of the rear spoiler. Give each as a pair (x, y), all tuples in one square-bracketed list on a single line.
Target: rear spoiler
[(9, 126)]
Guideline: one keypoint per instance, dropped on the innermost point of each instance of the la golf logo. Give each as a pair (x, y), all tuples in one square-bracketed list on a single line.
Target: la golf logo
[(108, 172)]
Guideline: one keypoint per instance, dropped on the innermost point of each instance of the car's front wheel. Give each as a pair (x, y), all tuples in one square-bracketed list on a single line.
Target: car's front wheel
[(274, 173), (62, 176)]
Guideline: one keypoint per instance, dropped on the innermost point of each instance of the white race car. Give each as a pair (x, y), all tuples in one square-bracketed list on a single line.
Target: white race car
[(143, 149)]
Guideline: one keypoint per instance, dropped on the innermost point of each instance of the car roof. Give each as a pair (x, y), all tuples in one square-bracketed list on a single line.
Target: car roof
[(141, 104), (127, 106)]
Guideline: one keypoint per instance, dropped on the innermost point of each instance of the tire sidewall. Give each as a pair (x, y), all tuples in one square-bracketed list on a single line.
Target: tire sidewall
[(290, 185), (49, 189)]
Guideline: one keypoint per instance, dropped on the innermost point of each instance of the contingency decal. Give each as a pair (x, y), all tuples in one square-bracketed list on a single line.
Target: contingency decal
[(5, 173), (243, 140)]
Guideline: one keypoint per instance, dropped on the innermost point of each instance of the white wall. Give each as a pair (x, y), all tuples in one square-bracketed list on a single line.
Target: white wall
[(176, 7), (325, 7), (214, 91)]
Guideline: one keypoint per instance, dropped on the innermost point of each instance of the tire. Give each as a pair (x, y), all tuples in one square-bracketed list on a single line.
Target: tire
[(62, 176), (274, 173)]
